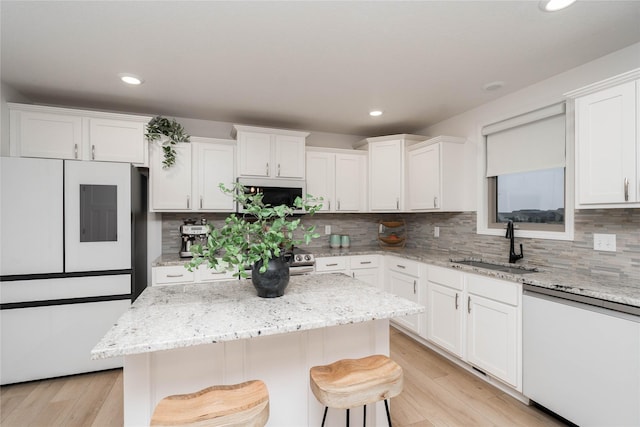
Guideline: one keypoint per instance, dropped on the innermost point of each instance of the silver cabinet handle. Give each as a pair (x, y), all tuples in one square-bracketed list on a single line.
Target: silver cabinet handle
[(278, 169), (188, 202), (435, 202), (75, 151), (338, 205), (200, 202), (626, 189), (365, 262), (414, 287), (353, 275), (397, 203), (456, 300), (175, 275), (329, 204), (400, 266), (332, 265), (267, 169), (93, 152), (469, 305)]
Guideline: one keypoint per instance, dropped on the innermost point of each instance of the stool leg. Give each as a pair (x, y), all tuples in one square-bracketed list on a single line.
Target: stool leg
[(347, 417), (386, 406), (364, 418), (324, 417)]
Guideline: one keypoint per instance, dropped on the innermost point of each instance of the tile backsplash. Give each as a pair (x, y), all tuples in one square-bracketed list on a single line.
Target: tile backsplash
[(458, 237)]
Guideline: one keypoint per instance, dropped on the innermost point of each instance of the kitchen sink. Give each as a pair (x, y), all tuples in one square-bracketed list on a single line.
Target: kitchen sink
[(496, 267)]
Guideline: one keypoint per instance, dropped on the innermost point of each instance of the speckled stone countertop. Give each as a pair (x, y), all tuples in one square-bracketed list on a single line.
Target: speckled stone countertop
[(601, 286), (169, 317)]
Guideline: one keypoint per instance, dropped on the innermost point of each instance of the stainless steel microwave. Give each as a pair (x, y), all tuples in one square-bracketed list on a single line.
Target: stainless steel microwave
[(275, 191)]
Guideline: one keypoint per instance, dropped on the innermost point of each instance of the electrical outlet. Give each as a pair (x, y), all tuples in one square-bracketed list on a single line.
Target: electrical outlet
[(604, 242), (436, 231), (327, 229)]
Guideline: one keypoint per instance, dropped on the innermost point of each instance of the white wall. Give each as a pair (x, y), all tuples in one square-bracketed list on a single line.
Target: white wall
[(546, 92)]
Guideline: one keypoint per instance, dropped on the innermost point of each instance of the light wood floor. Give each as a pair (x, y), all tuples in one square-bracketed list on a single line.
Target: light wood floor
[(436, 393)]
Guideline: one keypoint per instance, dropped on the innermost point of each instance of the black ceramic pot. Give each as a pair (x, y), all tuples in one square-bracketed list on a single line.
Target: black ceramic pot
[(273, 282)]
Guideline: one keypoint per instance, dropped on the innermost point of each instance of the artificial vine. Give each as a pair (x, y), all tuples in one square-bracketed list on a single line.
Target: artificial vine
[(167, 133)]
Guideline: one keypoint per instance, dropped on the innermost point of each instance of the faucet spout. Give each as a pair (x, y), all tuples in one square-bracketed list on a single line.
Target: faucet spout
[(513, 256)]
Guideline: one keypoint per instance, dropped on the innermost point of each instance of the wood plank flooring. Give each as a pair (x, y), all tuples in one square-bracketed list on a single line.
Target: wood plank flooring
[(436, 393)]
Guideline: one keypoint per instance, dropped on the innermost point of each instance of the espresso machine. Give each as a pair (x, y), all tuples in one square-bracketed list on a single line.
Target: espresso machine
[(192, 234)]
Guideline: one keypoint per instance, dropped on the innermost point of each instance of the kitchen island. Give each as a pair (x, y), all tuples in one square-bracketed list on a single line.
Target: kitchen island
[(179, 339)]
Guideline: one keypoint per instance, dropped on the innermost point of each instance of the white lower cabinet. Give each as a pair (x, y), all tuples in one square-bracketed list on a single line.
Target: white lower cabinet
[(404, 278), (477, 319), (363, 267), (179, 275), (493, 327), (445, 309)]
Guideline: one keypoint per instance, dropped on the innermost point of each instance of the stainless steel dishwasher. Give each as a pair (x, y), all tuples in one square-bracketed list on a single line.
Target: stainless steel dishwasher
[(581, 359)]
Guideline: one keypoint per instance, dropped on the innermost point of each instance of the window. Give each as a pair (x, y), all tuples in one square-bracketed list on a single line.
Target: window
[(525, 171)]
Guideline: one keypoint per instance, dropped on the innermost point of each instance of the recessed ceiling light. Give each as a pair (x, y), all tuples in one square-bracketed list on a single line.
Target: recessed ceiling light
[(555, 5), (493, 86), (375, 113), (130, 79)]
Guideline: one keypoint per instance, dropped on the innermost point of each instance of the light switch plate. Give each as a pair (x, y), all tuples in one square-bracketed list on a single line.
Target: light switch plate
[(604, 242), (327, 229), (436, 231)]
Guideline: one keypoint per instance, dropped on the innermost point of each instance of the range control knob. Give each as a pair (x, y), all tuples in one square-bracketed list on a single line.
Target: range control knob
[(307, 257), (298, 258)]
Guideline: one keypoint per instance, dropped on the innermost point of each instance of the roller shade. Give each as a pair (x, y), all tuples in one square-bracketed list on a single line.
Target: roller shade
[(532, 141)]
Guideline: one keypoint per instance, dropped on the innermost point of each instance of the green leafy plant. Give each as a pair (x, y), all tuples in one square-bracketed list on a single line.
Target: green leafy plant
[(263, 232), (167, 133)]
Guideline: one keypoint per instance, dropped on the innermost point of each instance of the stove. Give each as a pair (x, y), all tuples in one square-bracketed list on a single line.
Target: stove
[(300, 262)]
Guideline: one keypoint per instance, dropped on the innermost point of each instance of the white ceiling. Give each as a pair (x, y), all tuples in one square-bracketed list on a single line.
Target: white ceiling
[(304, 65)]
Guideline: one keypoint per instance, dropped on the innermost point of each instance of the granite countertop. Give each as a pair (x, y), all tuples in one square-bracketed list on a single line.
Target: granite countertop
[(600, 286), (169, 317)]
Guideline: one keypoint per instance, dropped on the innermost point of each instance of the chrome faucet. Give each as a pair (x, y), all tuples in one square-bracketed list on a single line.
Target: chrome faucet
[(513, 256)]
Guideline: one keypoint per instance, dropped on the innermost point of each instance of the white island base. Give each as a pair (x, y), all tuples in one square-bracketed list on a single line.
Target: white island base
[(282, 361)]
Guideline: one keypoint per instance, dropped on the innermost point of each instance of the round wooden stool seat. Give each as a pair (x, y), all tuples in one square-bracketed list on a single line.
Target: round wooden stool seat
[(349, 383), (245, 404)]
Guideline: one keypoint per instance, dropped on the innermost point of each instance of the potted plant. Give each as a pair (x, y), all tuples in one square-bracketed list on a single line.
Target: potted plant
[(261, 237), (167, 133)]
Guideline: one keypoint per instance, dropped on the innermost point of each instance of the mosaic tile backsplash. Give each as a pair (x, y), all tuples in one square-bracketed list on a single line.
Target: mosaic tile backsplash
[(458, 237)]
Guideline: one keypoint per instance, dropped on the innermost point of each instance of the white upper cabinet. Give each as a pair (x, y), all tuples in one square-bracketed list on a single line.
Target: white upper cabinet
[(270, 153), (608, 143), (435, 180), (64, 133), (387, 171), (117, 140), (192, 183), (339, 177)]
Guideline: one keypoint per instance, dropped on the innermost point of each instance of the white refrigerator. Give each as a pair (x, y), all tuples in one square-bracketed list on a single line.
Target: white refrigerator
[(65, 263)]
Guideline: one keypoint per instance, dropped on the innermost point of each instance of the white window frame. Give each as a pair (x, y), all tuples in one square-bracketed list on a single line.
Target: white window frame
[(482, 217)]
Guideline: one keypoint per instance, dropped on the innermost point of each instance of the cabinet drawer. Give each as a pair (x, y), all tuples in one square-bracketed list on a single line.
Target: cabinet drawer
[(363, 261), (446, 277), (404, 266), (172, 274), (331, 264), (206, 274), (497, 290)]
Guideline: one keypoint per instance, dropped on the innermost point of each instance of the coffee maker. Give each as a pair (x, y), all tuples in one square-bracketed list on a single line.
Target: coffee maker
[(192, 234)]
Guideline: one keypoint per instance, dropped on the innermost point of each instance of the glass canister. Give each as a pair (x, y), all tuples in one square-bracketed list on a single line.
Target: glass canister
[(345, 242), (334, 241)]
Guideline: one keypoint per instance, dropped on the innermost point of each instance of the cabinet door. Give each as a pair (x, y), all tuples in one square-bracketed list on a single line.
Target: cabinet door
[(116, 140), (424, 178), (321, 177), (254, 154), (213, 164), (368, 276), (492, 337), (170, 188), (405, 286), (289, 156), (53, 136), (385, 176), (350, 181), (445, 312), (606, 148)]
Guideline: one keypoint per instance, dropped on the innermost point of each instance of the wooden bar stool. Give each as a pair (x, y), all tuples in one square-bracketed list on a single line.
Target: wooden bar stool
[(245, 404), (349, 383)]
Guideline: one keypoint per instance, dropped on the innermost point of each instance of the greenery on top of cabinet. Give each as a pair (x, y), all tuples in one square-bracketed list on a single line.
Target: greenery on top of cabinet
[(167, 132)]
